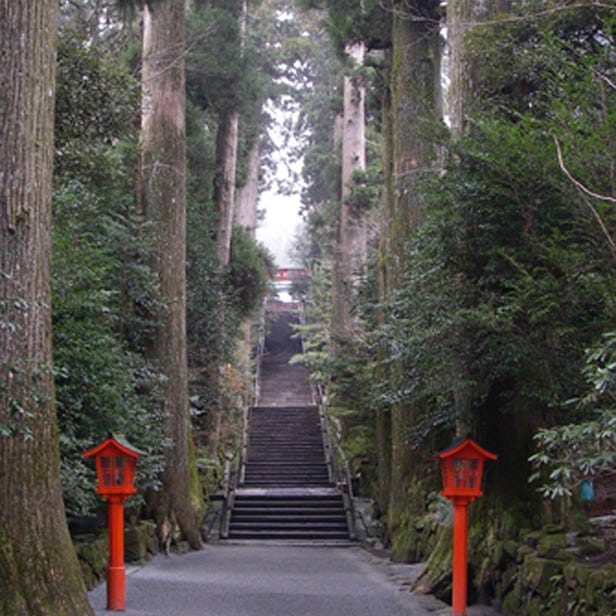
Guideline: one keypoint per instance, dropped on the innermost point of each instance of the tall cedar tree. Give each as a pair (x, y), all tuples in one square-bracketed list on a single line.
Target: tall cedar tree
[(414, 108), (39, 572), (352, 234), (163, 169), (226, 160)]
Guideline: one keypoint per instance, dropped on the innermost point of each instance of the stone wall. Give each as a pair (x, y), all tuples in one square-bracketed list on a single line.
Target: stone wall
[(547, 572), (92, 549), (553, 572)]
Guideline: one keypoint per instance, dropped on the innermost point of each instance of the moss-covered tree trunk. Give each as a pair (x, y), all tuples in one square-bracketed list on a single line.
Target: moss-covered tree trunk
[(39, 572), (415, 108), (383, 416), (163, 167)]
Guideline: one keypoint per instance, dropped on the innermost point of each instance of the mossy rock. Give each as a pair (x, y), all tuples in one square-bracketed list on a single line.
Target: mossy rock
[(537, 573), (532, 539), (93, 560), (511, 548), (134, 546), (534, 607), (139, 542), (603, 578), (409, 545), (181, 547), (90, 580), (582, 574), (596, 596), (498, 555), (509, 578), (565, 556), (590, 546), (570, 573), (523, 552), (148, 533), (550, 544), (512, 602), (553, 529)]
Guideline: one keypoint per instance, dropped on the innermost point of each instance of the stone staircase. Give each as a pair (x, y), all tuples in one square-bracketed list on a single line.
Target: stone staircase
[(285, 448), (289, 516), (286, 491)]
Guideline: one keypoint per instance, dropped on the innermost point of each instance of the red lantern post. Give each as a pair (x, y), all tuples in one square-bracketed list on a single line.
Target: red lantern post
[(116, 462), (461, 469)]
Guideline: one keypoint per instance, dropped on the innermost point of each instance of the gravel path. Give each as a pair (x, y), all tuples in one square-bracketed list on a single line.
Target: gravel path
[(270, 580)]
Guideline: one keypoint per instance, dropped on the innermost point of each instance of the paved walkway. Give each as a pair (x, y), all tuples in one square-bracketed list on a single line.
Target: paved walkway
[(272, 580)]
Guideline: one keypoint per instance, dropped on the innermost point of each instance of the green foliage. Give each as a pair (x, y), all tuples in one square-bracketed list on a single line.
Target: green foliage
[(321, 165), (586, 449), (505, 279), (314, 332), (511, 276), (102, 383), (104, 293), (250, 267), (97, 103), (220, 74), (351, 21), (363, 195), (214, 68)]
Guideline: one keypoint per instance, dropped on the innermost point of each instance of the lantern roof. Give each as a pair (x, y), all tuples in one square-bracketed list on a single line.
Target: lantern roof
[(119, 442), (462, 446)]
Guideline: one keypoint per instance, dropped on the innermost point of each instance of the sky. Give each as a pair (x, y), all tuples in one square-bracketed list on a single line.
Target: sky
[(282, 221), (282, 218)]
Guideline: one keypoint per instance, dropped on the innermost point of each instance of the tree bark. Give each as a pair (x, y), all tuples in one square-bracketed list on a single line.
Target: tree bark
[(248, 196), (351, 249), (415, 107), (383, 416), (224, 182), (226, 162), (40, 573), (163, 170), (462, 15)]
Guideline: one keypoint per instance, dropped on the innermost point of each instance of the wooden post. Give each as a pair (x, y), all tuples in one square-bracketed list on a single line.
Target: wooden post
[(460, 556), (116, 572)]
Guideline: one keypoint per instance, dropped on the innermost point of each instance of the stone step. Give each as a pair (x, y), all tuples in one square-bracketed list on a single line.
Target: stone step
[(316, 534), (289, 526), (282, 512)]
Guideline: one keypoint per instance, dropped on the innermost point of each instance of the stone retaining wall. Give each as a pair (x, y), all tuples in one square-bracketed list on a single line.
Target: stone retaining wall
[(552, 572), (140, 545)]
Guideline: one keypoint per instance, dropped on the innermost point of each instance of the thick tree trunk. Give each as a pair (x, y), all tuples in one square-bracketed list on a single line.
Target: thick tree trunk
[(415, 107), (462, 15), (39, 572), (224, 193), (248, 195), (383, 416), (163, 166), (352, 227), (226, 162)]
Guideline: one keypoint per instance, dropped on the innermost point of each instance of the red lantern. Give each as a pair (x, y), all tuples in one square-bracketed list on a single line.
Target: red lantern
[(461, 469), (116, 462)]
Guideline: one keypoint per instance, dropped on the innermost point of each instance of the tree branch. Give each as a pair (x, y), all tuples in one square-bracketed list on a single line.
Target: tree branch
[(584, 192)]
